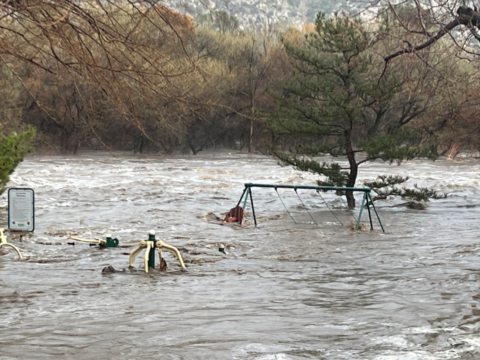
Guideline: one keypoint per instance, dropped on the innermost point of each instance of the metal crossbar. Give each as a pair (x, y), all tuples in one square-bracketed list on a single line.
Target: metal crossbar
[(308, 187)]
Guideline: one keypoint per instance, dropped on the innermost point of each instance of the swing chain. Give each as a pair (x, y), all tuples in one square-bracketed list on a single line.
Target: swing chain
[(308, 212), (346, 206), (284, 205), (318, 192)]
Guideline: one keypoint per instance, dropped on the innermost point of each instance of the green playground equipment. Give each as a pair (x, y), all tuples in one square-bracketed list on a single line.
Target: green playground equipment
[(107, 242), (367, 198)]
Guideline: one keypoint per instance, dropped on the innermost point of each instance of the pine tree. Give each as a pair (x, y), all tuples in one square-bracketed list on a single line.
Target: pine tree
[(335, 105), (13, 149), (385, 186)]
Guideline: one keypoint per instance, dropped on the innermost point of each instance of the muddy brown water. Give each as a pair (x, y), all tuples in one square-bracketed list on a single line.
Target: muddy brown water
[(301, 288)]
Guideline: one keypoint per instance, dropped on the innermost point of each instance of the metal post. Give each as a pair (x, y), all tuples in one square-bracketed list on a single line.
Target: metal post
[(369, 214), (253, 209), (151, 255), (241, 197), (378, 217), (361, 210), (249, 192)]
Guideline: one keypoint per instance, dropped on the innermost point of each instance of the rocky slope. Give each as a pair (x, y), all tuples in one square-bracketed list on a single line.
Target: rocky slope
[(256, 12)]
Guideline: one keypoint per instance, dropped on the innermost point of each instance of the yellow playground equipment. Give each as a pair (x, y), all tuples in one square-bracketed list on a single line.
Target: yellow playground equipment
[(149, 246), (4, 242)]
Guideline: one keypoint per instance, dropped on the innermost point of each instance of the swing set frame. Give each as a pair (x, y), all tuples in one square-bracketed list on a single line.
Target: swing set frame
[(367, 198)]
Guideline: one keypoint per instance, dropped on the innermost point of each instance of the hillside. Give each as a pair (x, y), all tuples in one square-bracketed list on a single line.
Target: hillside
[(254, 12)]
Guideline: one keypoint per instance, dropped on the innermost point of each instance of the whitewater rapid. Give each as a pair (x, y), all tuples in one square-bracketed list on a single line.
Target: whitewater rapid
[(301, 285)]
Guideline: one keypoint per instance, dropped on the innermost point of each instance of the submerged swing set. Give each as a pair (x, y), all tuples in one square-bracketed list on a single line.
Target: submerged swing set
[(367, 199)]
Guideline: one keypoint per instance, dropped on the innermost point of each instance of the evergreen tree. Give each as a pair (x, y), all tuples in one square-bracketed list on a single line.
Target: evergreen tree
[(385, 186), (13, 149), (337, 104)]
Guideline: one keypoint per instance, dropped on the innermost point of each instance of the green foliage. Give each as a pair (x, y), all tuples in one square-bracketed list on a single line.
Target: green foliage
[(421, 194), (13, 149), (384, 181), (338, 103), (385, 186), (331, 83), (394, 147), (335, 176)]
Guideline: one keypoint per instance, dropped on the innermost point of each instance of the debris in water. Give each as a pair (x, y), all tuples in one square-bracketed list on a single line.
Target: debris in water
[(362, 227), (236, 214), (221, 248), (163, 265), (108, 270), (416, 205)]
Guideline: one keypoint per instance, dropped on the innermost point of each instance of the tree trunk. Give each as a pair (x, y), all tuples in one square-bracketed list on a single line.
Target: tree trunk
[(250, 137), (352, 177)]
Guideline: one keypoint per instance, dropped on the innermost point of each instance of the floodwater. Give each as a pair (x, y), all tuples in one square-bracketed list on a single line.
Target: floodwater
[(301, 285)]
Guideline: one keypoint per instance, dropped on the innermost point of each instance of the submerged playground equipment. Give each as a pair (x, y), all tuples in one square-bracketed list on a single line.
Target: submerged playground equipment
[(108, 242), (150, 245), (4, 242), (367, 198)]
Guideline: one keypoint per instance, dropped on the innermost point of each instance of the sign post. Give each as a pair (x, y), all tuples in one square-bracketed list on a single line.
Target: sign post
[(21, 209)]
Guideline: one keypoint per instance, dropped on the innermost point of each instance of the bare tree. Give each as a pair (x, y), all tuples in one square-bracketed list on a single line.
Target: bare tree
[(457, 19), (120, 48)]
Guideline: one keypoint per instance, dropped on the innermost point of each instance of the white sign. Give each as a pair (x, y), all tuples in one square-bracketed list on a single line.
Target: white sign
[(21, 209)]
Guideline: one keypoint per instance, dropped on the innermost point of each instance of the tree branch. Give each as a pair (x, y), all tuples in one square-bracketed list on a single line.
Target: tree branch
[(466, 16), (445, 30)]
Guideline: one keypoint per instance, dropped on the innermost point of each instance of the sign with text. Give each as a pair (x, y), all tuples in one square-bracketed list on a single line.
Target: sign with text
[(21, 209)]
